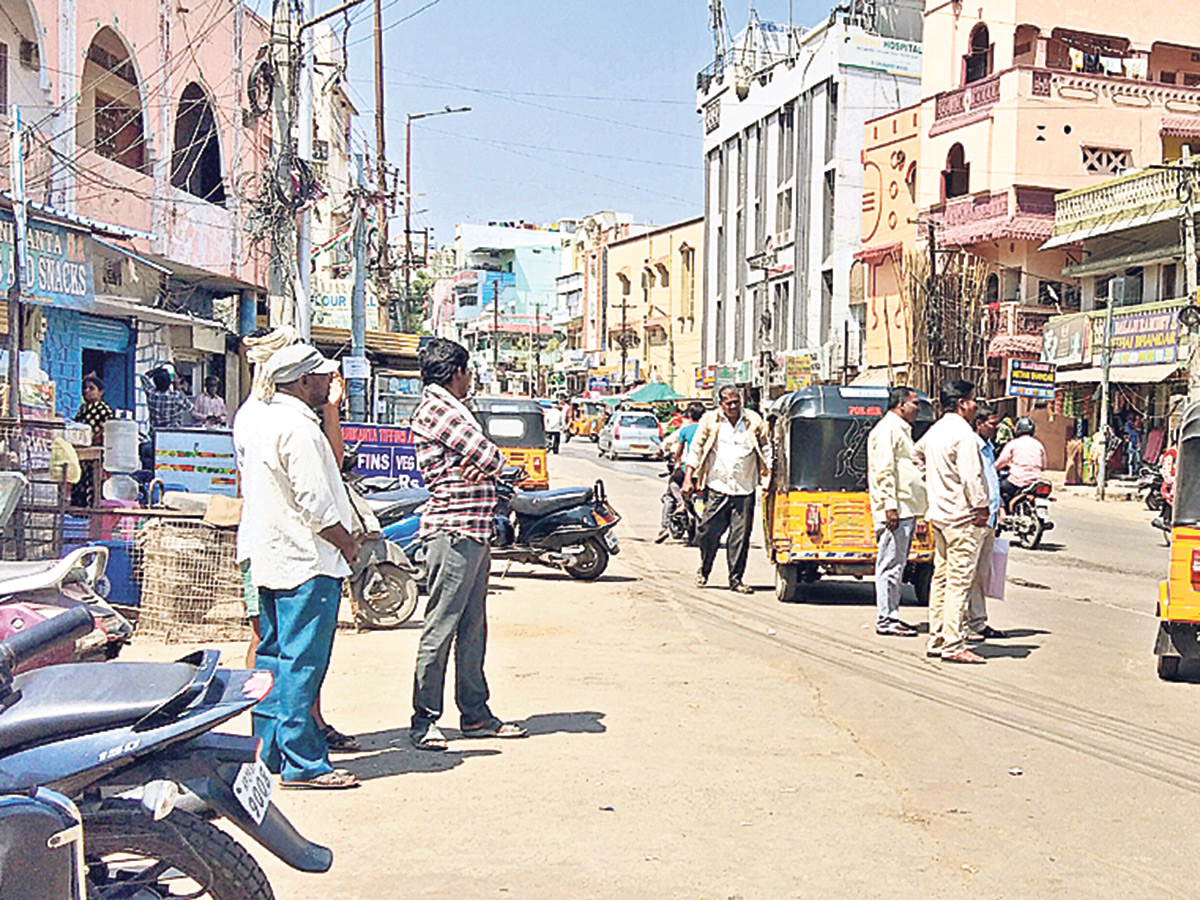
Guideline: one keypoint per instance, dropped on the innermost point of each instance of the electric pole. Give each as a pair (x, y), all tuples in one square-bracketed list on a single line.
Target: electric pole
[(17, 178), (385, 279), (305, 154), (1189, 270), (622, 340), (1116, 292), (283, 234), (495, 332), (357, 386), (537, 350)]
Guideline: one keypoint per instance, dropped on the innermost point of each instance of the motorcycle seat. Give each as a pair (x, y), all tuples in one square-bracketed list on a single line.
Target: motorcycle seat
[(392, 505), (77, 698), (543, 503), (23, 576)]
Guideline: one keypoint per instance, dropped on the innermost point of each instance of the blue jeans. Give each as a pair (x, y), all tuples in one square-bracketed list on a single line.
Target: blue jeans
[(297, 629), (456, 614)]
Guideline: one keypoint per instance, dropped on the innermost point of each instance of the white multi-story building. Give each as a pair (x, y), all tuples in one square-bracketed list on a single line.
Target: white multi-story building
[(783, 111)]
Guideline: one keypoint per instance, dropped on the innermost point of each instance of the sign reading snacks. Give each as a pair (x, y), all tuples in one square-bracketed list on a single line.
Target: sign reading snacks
[(1030, 378), (57, 269)]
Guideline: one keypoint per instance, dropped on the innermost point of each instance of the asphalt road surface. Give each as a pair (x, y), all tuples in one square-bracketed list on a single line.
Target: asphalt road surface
[(695, 743)]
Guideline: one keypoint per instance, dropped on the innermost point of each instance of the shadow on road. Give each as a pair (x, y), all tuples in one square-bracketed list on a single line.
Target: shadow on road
[(551, 575), (1010, 651), (396, 756), (1024, 632), (584, 722)]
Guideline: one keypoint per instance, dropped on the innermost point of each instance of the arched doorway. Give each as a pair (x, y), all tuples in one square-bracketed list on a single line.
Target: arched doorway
[(21, 58), (956, 178), (979, 55), (196, 158), (110, 118)]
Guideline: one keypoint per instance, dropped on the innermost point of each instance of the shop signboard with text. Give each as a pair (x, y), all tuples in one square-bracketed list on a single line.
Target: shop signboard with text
[(1066, 341), (1031, 378), (57, 270), (381, 451), (331, 303), (1145, 338)]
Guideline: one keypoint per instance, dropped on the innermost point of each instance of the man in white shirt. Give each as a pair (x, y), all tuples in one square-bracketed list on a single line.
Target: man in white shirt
[(553, 418), (897, 493), (958, 514), (295, 529), (728, 457)]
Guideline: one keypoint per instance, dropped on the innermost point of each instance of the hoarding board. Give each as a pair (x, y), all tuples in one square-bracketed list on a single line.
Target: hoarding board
[(198, 460), (382, 451), (1030, 378)]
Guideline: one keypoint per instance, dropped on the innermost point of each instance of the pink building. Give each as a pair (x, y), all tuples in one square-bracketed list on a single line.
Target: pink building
[(1023, 100)]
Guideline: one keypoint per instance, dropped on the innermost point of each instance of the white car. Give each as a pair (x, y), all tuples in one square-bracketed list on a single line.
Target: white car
[(631, 433)]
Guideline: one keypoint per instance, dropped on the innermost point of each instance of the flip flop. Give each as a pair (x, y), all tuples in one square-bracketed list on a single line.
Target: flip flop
[(337, 780), (495, 729), (964, 657), (338, 742), (430, 739)]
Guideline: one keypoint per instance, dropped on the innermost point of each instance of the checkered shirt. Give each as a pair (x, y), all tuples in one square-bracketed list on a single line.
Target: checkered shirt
[(447, 436), (168, 409)]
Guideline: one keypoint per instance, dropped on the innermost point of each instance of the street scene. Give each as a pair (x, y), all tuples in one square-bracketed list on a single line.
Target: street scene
[(699, 450)]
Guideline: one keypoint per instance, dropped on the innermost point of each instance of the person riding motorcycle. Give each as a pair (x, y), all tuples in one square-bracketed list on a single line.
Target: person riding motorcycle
[(1025, 459), (673, 498)]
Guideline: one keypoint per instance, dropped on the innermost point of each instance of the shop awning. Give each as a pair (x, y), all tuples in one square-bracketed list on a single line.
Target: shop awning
[(1120, 374), (388, 343), (872, 378)]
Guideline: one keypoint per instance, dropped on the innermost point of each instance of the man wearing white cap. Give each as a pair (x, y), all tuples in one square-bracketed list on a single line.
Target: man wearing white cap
[(296, 530)]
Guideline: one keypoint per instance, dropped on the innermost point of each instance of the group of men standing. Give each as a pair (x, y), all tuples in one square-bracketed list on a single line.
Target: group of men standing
[(950, 479), (298, 539)]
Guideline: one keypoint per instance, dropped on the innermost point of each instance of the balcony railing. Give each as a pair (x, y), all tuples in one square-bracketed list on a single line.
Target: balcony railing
[(967, 103), (1111, 205)]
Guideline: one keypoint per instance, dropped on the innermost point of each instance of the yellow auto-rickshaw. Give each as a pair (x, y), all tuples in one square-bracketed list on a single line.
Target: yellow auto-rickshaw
[(817, 514), (1179, 596), (588, 417), (518, 428)]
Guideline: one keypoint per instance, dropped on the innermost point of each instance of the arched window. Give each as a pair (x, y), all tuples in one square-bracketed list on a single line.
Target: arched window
[(978, 61), (956, 178), (110, 120), (196, 159), (991, 289)]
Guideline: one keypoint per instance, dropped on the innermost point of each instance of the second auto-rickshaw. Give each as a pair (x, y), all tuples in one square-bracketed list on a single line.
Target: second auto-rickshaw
[(817, 514), (517, 428), (1179, 596), (587, 418)]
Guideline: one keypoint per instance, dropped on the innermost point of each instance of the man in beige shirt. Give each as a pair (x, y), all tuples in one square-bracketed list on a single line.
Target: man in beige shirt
[(897, 493), (958, 514)]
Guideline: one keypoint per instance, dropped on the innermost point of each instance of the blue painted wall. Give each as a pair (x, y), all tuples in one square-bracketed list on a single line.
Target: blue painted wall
[(62, 358)]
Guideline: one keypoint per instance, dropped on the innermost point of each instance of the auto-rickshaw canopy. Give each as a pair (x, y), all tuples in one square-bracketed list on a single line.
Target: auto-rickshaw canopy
[(511, 423), (1187, 476), (821, 435)]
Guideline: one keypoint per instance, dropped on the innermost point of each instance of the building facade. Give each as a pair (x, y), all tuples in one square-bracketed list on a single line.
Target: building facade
[(654, 317), (783, 113)]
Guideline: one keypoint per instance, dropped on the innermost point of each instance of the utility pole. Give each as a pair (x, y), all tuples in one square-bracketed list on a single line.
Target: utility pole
[(1190, 275), (357, 387), (495, 333), (17, 176), (385, 277), (305, 153), (537, 349), (1116, 292), (283, 304), (622, 341)]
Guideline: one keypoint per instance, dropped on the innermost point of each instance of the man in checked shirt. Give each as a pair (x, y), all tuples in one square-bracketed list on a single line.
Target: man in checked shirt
[(459, 466)]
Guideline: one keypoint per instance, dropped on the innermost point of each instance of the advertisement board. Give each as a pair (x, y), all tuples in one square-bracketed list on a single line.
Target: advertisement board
[(879, 54), (799, 372), (1066, 341), (382, 451), (1030, 378), (1146, 338), (198, 460), (57, 270), (331, 302)]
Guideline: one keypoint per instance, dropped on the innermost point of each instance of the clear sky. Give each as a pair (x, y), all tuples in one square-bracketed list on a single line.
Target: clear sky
[(576, 105)]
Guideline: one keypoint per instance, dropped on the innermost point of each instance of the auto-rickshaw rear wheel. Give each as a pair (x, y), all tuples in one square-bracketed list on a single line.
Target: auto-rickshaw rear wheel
[(922, 582), (1168, 667), (787, 578)]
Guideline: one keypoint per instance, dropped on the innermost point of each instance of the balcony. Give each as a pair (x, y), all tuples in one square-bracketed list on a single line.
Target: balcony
[(968, 104), (1024, 213), (1140, 198)]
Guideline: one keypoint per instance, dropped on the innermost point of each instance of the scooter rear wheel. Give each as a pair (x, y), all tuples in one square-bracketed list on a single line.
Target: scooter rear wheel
[(591, 563), (128, 854), (386, 597)]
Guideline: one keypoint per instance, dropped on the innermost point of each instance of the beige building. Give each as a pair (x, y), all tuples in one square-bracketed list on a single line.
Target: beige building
[(653, 319)]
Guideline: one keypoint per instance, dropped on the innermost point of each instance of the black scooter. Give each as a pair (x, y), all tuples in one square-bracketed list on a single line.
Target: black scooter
[(129, 744)]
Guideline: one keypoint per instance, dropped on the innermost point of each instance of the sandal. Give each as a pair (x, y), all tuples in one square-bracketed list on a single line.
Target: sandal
[(429, 739), (701, 579), (964, 656), (494, 729), (337, 780), (741, 588), (338, 742)]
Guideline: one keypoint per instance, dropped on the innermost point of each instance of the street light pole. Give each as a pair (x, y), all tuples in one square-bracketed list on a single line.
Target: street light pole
[(409, 118)]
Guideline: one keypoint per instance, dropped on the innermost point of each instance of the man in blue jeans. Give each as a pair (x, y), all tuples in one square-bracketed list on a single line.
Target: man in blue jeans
[(295, 525), (459, 466)]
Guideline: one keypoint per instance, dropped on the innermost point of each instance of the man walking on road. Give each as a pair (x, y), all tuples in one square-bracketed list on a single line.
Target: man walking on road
[(897, 493), (459, 466), (729, 456), (295, 530), (958, 514), (986, 422)]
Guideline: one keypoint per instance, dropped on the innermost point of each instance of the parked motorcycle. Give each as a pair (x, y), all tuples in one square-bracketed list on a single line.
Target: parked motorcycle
[(1027, 515), (1149, 486), (129, 744), (565, 528), (383, 584)]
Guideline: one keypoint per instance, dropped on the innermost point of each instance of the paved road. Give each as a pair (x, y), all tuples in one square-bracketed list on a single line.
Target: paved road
[(693, 743)]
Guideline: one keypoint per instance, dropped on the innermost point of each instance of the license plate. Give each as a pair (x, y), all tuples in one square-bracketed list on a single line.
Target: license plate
[(611, 540), (252, 787), (639, 446)]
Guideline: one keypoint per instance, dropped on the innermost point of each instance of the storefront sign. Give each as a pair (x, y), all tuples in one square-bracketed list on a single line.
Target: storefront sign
[(598, 383), (705, 377), (383, 451), (57, 269), (197, 460), (1067, 341), (1030, 378), (1147, 338), (330, 299), (799, 372), (356, 367), (879, 54)]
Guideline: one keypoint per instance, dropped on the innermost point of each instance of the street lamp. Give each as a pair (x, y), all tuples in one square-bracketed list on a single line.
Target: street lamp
[(408, 191)]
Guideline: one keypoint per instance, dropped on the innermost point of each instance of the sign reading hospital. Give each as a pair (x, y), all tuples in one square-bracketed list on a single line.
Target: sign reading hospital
[(57, 270), (383, 451), (1146, 338), (1030, 378)]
